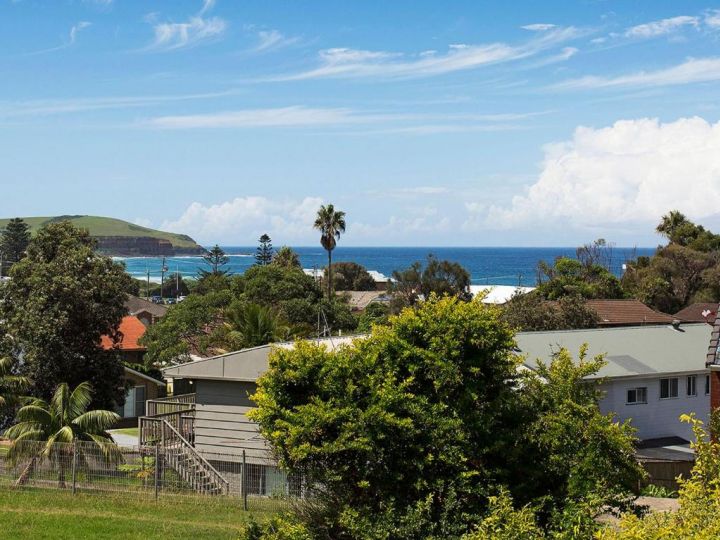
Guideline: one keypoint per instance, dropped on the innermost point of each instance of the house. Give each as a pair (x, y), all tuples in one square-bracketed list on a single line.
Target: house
[(712, 361), (359, 300), (141, 387), (147, 312), (629, 312), (652, 375), (698, 312)]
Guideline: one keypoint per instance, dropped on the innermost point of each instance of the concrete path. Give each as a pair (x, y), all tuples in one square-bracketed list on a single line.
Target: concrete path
[(124, 440)]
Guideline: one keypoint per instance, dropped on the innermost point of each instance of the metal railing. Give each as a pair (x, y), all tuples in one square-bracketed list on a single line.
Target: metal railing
[(182, 402)]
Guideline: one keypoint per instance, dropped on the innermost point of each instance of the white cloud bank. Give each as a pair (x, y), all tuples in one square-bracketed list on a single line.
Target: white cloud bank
[(631, 172), (662, 27), (244, 218)]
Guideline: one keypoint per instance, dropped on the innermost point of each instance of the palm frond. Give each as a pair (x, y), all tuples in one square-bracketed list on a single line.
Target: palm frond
[(96, 422), (110, 450), (27, 444), (59, 400), (80, 399), (21, 429), (35, 413)]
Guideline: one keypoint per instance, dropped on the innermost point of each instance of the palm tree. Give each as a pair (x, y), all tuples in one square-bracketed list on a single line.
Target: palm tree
[(251, 325), (47, 430), (331, 224), (11, 384), (670, 223)]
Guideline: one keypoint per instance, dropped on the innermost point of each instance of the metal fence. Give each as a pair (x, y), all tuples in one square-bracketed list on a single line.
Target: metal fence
[(148, 471)]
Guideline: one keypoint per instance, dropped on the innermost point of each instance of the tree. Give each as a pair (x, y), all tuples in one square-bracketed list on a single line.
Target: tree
[(174, 286), (187, 328), (350, 276), (12, 385), (409, 432), (45, 430), (251, 325), (331, 224), (264, 252), (531, 312), (286, 257), (572, 277), (217, 259), (374, 313), (13, 243), (443, 278), (62, 298)]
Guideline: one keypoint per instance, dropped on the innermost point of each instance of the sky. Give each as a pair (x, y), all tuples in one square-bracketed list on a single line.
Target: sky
[(429, 123)]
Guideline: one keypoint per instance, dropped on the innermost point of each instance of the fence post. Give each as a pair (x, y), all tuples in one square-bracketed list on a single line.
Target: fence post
[(157, 470), (243, 483), (74, 468)]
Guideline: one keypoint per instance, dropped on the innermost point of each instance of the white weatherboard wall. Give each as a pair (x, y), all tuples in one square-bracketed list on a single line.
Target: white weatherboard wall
[(658, 417)]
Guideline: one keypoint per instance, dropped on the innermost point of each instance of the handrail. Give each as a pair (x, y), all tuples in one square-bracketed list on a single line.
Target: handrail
[(179, 398), (155, 407), (197, 456)]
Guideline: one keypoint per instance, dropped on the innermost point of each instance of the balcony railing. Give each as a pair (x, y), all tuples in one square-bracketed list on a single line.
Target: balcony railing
[(171, 404)]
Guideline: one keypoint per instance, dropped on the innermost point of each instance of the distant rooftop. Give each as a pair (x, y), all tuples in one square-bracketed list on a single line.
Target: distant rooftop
[(698, 312), (627, 312)]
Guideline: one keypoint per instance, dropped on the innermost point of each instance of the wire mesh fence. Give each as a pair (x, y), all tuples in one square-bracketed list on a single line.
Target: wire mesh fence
[(151, 471)]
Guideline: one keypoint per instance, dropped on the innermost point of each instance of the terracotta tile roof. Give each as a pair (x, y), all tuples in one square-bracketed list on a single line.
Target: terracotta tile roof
[(712, 355), (131, 330), (694, 312), (627, 313)]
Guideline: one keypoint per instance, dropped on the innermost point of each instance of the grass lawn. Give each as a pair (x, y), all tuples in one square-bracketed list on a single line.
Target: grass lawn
[(132, 431), (54, 514)]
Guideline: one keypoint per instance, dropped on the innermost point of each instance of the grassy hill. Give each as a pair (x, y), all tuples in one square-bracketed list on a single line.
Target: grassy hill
[(104, 227)]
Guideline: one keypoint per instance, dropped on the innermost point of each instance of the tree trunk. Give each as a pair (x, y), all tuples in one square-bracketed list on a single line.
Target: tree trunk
[(27, 472), (329, 276)]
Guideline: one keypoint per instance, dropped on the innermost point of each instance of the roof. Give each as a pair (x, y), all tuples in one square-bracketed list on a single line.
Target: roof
[(714, 342), (694, 312), (143, 376), (498, 294), (245, 365), (361, 299), (131, 330), (135, 305), (631, 351), (627, 312)]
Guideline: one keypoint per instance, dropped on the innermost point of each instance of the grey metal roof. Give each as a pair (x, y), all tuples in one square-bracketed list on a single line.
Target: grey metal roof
[(630, 351), (244, 365)]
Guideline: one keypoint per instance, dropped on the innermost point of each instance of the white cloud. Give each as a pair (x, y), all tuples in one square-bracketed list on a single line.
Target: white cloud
[(693, 70), (631, 172), (538, 27), (172, 36), (661, 27), (207, 6), (353, 63), (75, 30), (248, 217), (712, 18), (269, 40)]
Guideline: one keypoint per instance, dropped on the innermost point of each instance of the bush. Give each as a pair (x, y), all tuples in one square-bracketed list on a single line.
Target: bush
[(278, 528)]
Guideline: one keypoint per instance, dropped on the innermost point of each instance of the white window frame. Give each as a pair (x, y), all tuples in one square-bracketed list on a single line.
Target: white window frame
[(671, 382), (691, 385), (639, 391)]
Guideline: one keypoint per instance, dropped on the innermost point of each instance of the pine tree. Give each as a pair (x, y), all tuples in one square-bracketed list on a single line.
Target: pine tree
[(264, 252), (216, 258), (13, 243)]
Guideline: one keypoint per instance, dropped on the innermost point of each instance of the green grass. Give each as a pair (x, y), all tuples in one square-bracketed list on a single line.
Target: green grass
[(104, 226), (132, 431), (41, 514)]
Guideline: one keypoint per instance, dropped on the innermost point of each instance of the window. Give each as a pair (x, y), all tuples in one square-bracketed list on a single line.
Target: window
[(637, 395), (707, 385), (692, 385), (134, 402), (668, 388)]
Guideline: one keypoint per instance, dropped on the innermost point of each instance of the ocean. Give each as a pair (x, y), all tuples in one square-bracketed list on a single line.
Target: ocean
[(487, 265)]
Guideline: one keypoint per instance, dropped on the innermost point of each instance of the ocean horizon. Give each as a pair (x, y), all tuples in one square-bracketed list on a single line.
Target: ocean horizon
[(487, 265)]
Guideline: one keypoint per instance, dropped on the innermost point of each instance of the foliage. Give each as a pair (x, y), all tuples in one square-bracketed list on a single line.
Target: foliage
[(653, 490), (439, 277), (572, 277), (264, 252), (331, 224), (216, 259), (350, 276), (682, 232), (530, 312), (173, 286), (210, 283), (12, 384), (14, 241), (276, 528), (250, 325), (64, 419), (374, 313), (503, 522), (286, 257), (61, 299), (400, 429), (186, 328), (699, 514)]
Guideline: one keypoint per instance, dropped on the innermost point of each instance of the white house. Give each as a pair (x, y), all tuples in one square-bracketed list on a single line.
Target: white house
[(653, 373)]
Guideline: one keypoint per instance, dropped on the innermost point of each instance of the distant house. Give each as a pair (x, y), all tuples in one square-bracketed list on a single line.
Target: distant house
[(653, 373), (698, 312), (630, 312), (359, 300), (712, 361), (141, 387), (148, 312)]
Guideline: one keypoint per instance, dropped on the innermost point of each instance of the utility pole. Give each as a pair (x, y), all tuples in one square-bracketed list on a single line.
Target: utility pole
[(177, 282), (147, 289), (163, 269)]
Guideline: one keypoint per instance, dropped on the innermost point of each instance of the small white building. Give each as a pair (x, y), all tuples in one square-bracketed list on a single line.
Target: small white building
[(498, 294), (652, 376)]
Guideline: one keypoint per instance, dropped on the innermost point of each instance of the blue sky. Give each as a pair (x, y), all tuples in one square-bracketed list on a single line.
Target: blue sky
[(429, 123)]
